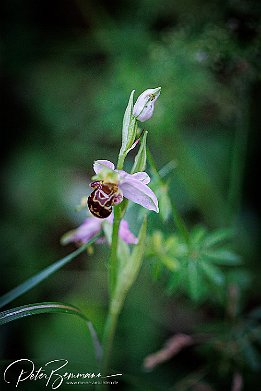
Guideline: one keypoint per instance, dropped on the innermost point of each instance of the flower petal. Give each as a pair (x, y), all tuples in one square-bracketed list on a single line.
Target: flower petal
[(138, 192), (84, 232), (142, 177), (126, 234), (100, 164), (144, 106)]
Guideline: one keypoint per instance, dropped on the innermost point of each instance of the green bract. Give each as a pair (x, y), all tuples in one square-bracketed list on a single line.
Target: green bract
[(141, 157), (129, 129)]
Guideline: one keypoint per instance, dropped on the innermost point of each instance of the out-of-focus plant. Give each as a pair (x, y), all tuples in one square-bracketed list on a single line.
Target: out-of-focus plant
[(231, 345), (196, 266)]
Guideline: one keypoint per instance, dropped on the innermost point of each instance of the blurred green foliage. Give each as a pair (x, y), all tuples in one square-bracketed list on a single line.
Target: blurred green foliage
[(190, 264), (67, 71)]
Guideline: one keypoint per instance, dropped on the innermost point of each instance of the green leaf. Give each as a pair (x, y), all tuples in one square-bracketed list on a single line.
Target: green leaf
[(38, 308), (128, 127), (157, 241), (218, 236), (129, 272), (223, 257), (165, 206), (197, 236), (165, 170), (39, 277), (174, 282), (194, 281), (171, 263), (156, 269), (50, 307), (213, 273), (141, 157), (251, 354)]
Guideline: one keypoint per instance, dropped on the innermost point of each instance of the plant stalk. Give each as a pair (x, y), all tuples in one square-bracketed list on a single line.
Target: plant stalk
[(109, 333), (120, 163), (112, 318), (113, 264), (114, 310)]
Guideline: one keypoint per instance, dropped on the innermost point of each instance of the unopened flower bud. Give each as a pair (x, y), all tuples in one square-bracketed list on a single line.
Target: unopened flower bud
[(144, 106)]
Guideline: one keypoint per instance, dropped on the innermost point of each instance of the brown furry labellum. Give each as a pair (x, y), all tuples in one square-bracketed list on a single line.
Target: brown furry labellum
[(103, 198)]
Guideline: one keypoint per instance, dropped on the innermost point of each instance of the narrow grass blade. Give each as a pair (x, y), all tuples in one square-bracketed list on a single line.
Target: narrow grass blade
[(42, 275), (51, 307)]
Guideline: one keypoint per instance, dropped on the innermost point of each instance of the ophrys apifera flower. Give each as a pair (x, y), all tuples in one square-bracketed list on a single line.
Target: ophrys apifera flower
[(93, 226), (111, 185)]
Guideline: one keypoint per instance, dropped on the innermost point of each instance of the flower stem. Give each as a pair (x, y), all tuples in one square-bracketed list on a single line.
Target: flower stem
[(112, 317), (114, 245), (114, 310), (120, 163), (113, 264), (109, 333)]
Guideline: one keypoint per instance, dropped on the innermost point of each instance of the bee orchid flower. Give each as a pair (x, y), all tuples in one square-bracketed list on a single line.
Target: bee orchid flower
[(92, 226), (111, 185)]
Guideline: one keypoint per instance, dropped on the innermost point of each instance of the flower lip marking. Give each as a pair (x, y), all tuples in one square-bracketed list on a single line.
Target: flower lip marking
[(103, 198)]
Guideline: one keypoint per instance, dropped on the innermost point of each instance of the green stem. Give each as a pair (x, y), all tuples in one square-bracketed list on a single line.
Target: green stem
[(178, 220), (113, 315), (113, 260), (114, 310), (120, 163), (109, 333), (113, 264)]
